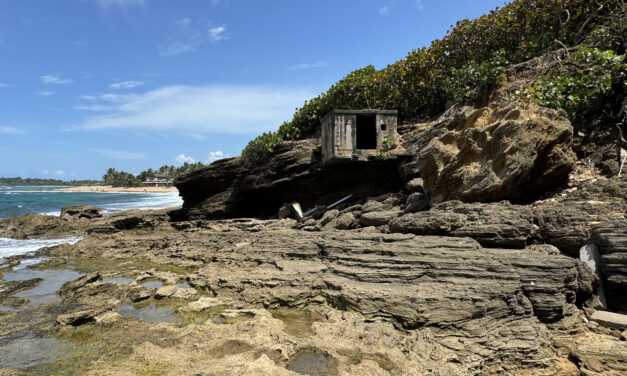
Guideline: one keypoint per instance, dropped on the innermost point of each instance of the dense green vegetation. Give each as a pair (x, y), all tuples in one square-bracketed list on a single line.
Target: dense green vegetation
[(117, 178), (13, 182), (583, 85), (468, 63)]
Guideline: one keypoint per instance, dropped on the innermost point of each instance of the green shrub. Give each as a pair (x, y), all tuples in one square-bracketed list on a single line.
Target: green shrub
[(389, 143), (262, 146), (581, 83)]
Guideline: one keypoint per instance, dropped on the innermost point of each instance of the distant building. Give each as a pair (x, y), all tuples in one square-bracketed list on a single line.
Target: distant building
[(159, 180), (356, 134)]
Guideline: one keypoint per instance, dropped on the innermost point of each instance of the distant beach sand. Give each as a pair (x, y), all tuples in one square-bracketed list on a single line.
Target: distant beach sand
[(100, 188)]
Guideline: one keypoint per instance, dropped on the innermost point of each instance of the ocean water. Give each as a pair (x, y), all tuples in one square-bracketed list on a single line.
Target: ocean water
[(49, 200)]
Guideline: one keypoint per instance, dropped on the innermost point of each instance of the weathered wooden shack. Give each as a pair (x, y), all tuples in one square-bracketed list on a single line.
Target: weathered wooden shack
[(356, 134)]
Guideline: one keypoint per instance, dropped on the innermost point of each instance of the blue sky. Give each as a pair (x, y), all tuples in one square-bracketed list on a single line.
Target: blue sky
[(90, 84)]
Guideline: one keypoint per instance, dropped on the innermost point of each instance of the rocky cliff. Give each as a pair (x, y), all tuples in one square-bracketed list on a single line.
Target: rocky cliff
[(488, 154)]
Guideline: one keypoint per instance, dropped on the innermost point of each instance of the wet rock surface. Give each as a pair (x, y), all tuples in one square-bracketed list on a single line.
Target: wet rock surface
[(245, 296)]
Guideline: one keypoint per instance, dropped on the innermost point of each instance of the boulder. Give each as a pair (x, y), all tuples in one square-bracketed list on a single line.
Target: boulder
[(81, 211), (378, 218), (487, 154), (417, 202), (329, 216), (343, 222), (415, 185)]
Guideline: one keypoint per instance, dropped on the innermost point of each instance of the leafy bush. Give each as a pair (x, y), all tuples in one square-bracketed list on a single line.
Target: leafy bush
[(262, 146), (465, 85), (389, 143), (581, 83)]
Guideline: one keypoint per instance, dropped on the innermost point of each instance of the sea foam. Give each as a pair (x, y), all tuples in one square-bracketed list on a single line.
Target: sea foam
[(14, 247)]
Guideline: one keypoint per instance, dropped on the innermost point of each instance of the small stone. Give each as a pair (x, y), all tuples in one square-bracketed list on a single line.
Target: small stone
[(175, 292), (415, 185), (80, 317), (108, 318), (416, 202)]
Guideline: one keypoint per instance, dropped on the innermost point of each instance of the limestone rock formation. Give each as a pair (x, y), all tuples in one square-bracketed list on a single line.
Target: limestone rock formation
[(490, 154), (492, 225), (81, 211), (568, 223)]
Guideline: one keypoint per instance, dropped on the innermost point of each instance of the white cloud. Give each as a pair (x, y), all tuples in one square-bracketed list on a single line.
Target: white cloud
[(45, 172), (175, 48), (120, 154), (49, 79), (317, 64), (126, 84), (385, 11), (215, 155), (59, 172), (182, 158), (45, 93), (197, 136), (10, 130), (186, 36), (420, 5), (217, 33), (2, 84), (197, 109)]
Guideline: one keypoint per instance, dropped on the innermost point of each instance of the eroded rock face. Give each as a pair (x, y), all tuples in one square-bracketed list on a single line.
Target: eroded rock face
[(236, 187), (486, 155), (611, 238), (492, 225), (568, 223)]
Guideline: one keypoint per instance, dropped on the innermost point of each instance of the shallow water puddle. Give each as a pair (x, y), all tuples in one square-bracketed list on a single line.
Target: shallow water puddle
[(45, 291), (150, 313), (118, 280), (309, 363), (183, 285), (28, 352), (297, 321), (153, 284)]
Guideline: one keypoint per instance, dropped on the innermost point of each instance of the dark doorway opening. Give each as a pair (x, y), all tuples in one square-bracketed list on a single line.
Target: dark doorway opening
[(367, 131)]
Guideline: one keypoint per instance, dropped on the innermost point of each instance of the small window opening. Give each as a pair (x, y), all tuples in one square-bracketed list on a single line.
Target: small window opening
[(366, 131), (383, 127)]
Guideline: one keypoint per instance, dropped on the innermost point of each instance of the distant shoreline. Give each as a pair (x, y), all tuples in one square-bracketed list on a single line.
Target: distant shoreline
[(102, 188)]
